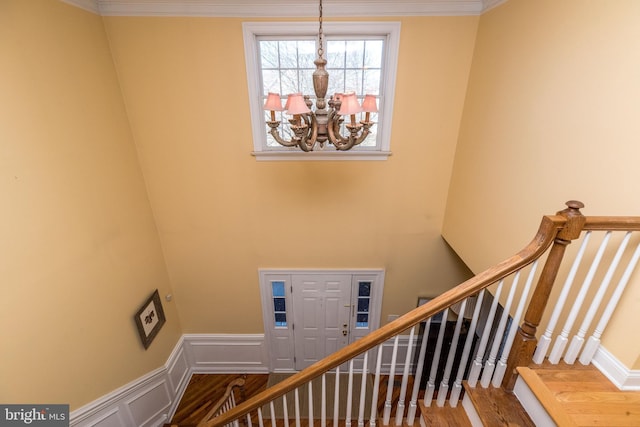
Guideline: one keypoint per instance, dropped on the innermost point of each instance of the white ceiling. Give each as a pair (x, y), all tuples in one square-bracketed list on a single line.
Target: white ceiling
[(284, 8)]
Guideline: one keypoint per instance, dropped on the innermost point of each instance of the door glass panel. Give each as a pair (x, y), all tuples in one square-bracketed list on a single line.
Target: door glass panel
[(279, 304), (364, 299)]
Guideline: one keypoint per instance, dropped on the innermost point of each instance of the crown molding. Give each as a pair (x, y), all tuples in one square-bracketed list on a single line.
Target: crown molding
[(490, 4), (284, 8), (88, 5)]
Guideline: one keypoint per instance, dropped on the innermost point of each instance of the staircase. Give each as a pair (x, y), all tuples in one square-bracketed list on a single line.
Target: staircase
[(467, 354)]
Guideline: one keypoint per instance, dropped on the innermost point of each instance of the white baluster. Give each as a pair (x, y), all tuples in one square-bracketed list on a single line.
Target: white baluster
[(594, 341), (249, 423), (363, 390), (260, 421), (285, 410), (489, 365), (376, 390), (456, 390), (413, 404), (323, 404), (405, 379), (578, 339), (349, 395), (310, 393), (545, 340), (431, 386), (336, 399), (390, 380), (272, 409), (297, 407), (476, 366), (562, 339), (444, 385), (501, 367)]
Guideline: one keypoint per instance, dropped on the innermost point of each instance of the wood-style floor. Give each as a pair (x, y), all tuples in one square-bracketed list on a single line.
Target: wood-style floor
[(203, 390), (575, 395)]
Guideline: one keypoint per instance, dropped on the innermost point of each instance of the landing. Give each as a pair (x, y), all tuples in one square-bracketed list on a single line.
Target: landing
[(581, 395)]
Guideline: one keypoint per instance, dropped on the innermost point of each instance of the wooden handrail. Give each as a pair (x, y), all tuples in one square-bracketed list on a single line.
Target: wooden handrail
[(238, 382), (612, 223), (547, 232)]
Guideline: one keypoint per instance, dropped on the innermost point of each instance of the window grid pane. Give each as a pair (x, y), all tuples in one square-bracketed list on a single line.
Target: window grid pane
[(364, 301), (279, 303)]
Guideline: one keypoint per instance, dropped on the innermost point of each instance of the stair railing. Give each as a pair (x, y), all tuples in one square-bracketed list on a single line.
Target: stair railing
[(224, 404), (468, 333)]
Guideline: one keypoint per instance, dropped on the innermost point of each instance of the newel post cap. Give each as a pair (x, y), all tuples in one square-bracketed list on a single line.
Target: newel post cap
[(575, 220)]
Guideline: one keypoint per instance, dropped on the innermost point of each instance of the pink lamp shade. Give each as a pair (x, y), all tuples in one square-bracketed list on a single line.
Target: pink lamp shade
[(286, 104), (369, 104), (349, 104), (295, 104), (273, 102)]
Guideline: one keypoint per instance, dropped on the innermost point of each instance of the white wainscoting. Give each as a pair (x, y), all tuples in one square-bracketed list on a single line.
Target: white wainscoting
[(221, 353), (152, 399)]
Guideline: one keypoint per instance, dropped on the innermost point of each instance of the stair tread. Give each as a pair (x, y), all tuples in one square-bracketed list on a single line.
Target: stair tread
[(581, 395), (497, 407), (445, 416)]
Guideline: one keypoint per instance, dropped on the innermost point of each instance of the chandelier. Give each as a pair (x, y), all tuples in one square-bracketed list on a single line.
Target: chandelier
[(314, 128)]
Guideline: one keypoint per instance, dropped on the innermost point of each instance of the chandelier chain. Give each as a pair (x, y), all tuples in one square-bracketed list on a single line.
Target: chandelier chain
[(320, 33)]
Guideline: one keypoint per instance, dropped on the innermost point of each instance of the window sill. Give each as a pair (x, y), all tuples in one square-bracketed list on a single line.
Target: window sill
[(321, 155)]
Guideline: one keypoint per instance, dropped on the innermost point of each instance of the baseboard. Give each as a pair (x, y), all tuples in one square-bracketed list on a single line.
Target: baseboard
[(623, 377), (152, 399)]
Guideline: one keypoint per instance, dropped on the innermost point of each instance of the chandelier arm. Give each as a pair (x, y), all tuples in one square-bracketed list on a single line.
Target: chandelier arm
[(276, 135), (307, 142), (333, 130), (350, 142), (364, 134)]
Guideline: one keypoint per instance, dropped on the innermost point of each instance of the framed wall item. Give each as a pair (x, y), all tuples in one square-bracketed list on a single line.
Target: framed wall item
[(149, 319)]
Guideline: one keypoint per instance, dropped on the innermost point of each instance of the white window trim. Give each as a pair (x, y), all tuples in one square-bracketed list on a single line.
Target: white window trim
[(252, 30)]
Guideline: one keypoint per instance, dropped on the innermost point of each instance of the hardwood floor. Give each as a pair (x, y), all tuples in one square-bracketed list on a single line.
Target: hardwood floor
[(203, 390), (582, 395)]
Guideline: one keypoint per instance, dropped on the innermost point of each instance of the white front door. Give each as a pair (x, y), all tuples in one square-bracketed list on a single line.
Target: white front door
[(308, 314), (322, 314)]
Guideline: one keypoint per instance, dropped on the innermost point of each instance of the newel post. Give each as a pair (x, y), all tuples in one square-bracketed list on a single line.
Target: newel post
[(525, 341)]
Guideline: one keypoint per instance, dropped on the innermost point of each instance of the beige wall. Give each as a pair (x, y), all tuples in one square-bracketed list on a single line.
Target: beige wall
[(221, 215), (552, 88), (551, 114), (79, 250), (87, 143)]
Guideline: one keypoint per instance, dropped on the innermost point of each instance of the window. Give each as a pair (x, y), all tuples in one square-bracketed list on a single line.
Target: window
[(361, 56), (279, 304), (364, 300)]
